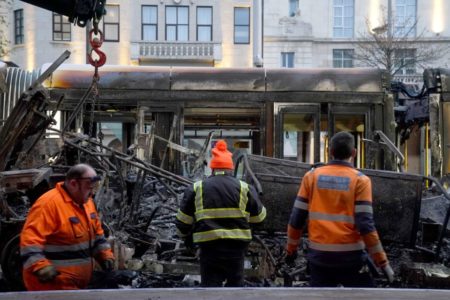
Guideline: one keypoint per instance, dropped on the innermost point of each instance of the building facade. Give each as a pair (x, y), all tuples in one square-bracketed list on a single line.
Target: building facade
[(325, 33), (299, 34), (237, 33), (142, 32)]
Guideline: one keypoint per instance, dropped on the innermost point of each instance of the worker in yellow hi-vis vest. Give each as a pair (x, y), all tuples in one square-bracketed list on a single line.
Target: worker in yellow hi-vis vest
[(216, 213)]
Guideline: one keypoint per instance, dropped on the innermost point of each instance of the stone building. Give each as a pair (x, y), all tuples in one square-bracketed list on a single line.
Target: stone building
[(325, 33), (232, 33), (140, 32)]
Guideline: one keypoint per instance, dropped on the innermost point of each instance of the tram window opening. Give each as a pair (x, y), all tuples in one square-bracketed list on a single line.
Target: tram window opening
[(446, 137), (354, 124), (112, 134), (147, 128), (324, 139), (235, 142), (298, 137), (57, 126)]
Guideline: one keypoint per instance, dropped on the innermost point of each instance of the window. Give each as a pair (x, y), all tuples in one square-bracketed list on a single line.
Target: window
[(342, 58), (343, 18), (111, 26), (61, 28), (293, 8), (405, 61), (242, 25), (18, 26), (287, 59), (405, 18), (149, 23), (177, 23), (204, 24)]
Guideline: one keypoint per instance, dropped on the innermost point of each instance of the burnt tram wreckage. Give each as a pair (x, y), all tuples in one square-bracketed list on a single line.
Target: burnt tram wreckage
[(148, 131)]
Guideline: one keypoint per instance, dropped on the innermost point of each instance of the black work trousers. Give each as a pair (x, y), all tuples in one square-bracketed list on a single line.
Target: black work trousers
[(222, 262), (354, 276)]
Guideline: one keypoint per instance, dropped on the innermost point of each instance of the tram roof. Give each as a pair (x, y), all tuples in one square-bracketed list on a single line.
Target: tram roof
[(114, 77)]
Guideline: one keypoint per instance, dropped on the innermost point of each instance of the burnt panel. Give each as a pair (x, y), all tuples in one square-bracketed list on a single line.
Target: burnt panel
[(396, 204), (445, 79), (278, 197), (111, 77), (218, 79), (326, 80), (396, 196), (279, 180), (438, 80)]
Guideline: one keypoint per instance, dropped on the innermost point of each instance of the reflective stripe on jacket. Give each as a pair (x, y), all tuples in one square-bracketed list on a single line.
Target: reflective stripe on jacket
[(220, 207), (337, 201), (58, 232)]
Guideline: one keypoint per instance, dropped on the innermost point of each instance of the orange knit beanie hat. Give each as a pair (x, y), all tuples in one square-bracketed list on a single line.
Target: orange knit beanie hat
[(221, 157)]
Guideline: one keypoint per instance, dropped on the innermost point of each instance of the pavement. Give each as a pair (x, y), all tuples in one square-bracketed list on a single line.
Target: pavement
[(233, 293)]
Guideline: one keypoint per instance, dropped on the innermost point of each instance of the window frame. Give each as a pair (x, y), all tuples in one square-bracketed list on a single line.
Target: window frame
[(177, 25), (143, 25), (293, 7), (408, 26), (342, 58), (235, 26), (210, 26), (285, 59), (62, 20), (342, 18), (406, 54), (19, 36), (107, 23)]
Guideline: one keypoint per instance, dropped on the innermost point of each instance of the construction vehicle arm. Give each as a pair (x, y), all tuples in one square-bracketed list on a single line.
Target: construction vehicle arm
[(79, 12)]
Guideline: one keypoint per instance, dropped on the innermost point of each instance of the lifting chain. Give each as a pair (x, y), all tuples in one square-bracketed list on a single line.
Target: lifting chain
[(92, 108), (96, 41)]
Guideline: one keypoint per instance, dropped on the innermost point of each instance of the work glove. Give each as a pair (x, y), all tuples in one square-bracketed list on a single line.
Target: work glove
[(388, 272), (107, 265), (47, 273), (289, 259)]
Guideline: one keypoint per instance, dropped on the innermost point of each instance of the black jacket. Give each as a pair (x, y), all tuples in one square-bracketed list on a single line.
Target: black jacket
[(219, 207)]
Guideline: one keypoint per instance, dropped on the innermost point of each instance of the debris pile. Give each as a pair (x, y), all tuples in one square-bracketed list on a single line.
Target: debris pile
[(138, 202)]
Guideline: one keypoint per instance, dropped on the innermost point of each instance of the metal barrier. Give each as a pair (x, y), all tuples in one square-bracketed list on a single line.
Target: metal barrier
[(396, 196)]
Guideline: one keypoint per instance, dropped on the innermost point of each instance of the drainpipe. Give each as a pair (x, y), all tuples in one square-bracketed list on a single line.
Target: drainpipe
[(257, 33)]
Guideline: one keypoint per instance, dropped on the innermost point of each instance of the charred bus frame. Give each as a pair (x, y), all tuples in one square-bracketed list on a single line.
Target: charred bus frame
[(286, 113)]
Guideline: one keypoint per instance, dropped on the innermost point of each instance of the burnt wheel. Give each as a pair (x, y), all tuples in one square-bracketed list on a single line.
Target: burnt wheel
[(12, 264)]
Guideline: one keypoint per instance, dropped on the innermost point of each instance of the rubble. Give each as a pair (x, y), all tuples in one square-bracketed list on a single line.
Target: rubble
[(138, 202), (426, 275)]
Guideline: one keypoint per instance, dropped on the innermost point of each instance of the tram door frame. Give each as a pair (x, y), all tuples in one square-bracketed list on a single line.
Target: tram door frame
[(332, 111), (365, 110), (280, 109)]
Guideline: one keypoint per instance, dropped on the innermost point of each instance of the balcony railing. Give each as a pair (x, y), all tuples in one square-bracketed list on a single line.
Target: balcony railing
[(176, 50), (410, 79)]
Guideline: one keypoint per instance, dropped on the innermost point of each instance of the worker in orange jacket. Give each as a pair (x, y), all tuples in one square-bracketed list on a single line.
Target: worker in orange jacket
[(63, 234), (337, 201)]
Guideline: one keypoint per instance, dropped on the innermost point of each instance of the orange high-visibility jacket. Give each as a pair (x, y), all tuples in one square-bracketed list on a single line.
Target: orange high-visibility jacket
[(59, 232), (337, 201)]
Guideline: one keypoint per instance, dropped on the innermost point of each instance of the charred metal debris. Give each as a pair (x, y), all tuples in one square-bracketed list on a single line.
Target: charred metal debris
[(138, 202)]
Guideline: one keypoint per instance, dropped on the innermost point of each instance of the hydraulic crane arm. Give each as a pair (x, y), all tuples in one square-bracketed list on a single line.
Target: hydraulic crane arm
[(78, 11)]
